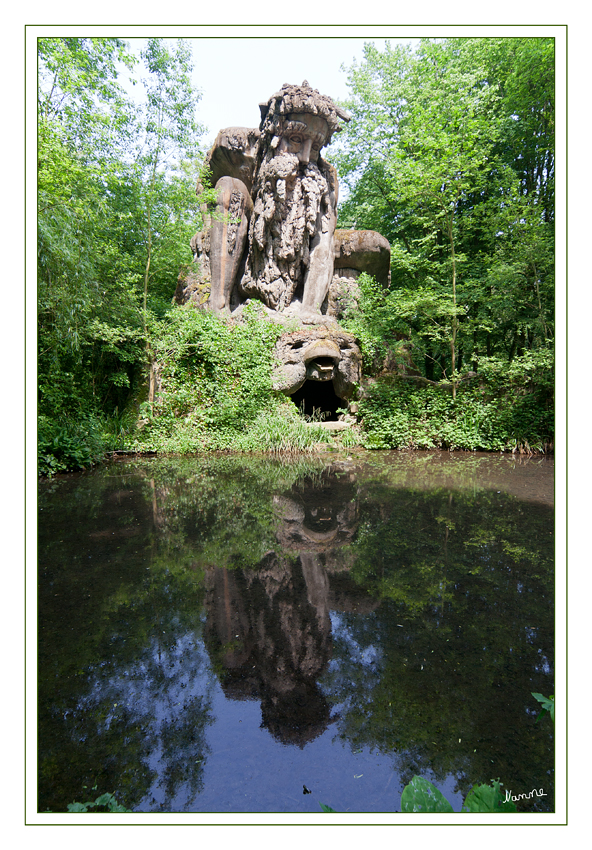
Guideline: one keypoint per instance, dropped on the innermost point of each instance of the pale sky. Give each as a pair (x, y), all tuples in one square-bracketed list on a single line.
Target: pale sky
[(235, 75)]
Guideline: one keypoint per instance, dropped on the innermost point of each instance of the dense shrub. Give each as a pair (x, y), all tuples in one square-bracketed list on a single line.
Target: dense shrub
[(508, 408), (216, 389), (64, 445)]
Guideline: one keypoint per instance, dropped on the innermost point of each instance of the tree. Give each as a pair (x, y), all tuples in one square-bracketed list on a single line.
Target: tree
[(449, 154), (80, 106), (168, 135), (117, 207)]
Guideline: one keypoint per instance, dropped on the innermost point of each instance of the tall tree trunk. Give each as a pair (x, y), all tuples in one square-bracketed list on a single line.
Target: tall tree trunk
[(538, 292), (149, 358), (454, 319), (149, 352)]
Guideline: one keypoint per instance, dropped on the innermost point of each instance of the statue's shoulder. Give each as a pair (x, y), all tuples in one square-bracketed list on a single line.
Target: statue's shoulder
[(234, 154), (330, 174)]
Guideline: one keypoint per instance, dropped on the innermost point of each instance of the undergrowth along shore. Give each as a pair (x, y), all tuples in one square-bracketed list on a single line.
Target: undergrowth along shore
[(215, 394)]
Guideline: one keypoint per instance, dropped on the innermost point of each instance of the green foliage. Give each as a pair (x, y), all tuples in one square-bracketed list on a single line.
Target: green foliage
[(69, 445), (168, 135), (488, 798), (508, 408), (350, 438), (104, 803), (450, 154), (548, 704), (116, 210), (422, 797), (216, 389), (371, 323), (281, 431)]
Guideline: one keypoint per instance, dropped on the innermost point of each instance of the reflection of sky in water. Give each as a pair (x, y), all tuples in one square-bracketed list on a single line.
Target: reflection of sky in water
[(335, 776), (366, 656), (241, 766), (166, 679), (161, 692), (163, 714)]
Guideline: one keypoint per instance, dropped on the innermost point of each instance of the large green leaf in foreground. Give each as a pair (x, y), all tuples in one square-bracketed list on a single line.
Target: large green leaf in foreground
[(421, 796), (487, 798)]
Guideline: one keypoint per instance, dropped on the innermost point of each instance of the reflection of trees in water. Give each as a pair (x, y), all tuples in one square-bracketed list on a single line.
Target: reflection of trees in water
[(135, 720), (153, 714), (464, 634), (119, 648), (444, 602)]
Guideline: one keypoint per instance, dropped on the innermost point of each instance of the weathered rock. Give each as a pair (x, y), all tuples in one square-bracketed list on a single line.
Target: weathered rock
[(289, 254), (234, 154), (193, 284), (344, 294), (294, 206), (363, 250), (272, 239), (337, 425), (301, 99), (318, 354), (272, 236), (228, 236)]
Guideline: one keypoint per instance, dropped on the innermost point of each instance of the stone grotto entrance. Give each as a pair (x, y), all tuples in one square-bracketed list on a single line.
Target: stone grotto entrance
[(318, 395)]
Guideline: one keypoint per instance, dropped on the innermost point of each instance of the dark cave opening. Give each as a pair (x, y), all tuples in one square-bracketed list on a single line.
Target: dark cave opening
[(318, 395)]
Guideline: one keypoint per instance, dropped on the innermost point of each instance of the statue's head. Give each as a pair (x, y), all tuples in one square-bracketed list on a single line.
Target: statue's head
[(300, 120), (304, 134)]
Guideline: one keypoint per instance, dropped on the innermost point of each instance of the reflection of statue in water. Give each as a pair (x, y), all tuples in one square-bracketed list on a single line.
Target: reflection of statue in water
[(272, 642), (270, 628)]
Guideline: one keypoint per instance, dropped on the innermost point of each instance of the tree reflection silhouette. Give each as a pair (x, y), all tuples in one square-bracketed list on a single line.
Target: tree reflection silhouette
[(402, 612)]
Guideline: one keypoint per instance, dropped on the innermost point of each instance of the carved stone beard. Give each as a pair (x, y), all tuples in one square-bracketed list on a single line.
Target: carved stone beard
[(289, 197)]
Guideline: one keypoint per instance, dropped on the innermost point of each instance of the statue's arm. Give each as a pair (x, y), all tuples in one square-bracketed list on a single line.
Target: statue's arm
[(231, 163), (320, 269), (228, 237)]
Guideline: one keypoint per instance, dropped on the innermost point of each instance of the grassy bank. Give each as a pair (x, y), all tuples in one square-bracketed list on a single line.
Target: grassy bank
[(214, 392)]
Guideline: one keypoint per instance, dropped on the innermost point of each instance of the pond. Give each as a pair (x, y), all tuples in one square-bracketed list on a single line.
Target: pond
[(246, 634)]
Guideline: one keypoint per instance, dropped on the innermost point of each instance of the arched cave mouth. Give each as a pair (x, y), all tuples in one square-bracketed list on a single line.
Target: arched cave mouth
[(318, 395)]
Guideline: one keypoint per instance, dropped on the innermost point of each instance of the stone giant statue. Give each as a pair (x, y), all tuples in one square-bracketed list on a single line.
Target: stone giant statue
[(272, 238), (290, 247)]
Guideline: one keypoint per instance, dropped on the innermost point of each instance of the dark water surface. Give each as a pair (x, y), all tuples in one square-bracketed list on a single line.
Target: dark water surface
[(219, 634)]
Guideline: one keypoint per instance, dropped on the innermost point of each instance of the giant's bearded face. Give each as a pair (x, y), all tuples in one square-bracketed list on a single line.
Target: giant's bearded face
[(304, 135)]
